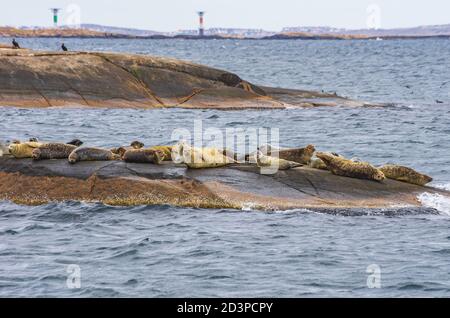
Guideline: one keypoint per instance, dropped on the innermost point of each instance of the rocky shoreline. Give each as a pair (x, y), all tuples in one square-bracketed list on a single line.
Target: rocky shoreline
[(96, 79)]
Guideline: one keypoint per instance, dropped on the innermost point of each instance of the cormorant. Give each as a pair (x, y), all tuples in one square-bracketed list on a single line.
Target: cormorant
[(64, 48), (15, 44)]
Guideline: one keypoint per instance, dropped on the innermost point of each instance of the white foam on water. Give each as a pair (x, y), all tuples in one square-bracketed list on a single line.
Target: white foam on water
[(435, 201), (445, 186), (248, 206)]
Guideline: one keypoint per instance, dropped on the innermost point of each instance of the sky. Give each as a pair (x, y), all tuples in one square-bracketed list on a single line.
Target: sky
[(273, 15)]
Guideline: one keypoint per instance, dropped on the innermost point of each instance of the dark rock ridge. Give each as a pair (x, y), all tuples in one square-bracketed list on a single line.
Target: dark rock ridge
[(237, 186), (95, 79)]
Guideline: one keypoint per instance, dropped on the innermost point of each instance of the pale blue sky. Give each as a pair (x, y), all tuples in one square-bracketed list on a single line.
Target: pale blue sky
[(171, 15)]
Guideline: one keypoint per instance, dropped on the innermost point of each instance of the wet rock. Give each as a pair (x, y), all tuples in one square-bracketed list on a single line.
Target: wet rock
[(96, 79), (235, 186)]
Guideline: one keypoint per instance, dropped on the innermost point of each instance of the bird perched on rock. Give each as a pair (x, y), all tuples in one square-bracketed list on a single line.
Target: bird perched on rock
[(64, 47), (15, 44)]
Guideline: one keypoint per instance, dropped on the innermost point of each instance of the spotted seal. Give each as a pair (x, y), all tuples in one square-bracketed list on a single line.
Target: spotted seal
[(22, 150), (166, 150), (277, 163), (199, 158), (300, 155), (92, 154), (143, 156), (405, 174), (133, 145), (53, 151), (344, 167)]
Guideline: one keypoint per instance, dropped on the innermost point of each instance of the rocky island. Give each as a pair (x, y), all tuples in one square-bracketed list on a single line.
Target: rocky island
[(31, 78), (31, 182)]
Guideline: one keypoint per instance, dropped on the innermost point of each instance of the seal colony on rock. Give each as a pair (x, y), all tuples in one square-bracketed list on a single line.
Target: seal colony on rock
[(240, 186), (141, 177), (208, 157), (50, 150), (98, 79)]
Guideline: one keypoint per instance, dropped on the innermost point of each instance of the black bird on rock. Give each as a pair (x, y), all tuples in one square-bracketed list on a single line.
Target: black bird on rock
[(15, 44), (64, 48)]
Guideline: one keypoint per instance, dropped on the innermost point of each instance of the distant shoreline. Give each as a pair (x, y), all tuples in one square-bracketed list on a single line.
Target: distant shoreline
[(271, 38), (92, 34)]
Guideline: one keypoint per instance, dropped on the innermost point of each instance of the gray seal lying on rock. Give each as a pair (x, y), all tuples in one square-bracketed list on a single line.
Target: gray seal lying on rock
[(277, 163), (143, 156), (92, 154), (344, 167), (405, 174), (53, 151), (21, 150), (199, 157), (300, 155)]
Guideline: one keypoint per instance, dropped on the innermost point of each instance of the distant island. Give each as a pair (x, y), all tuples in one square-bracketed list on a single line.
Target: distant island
[(300, 33)]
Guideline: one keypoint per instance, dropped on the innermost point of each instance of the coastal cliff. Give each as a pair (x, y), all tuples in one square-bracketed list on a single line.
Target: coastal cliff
[(95, 79)]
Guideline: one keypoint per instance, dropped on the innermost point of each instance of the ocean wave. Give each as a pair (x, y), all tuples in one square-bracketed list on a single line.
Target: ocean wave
[(435, 201)]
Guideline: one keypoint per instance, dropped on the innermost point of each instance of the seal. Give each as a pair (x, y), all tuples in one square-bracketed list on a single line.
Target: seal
[(22, 150), (405, 174), (53, 151), (281, 164), (166, 150), (199, 158), (92, 154), (300, 155), (317, 163), (344, 167), (143, 156), (121, 150)]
